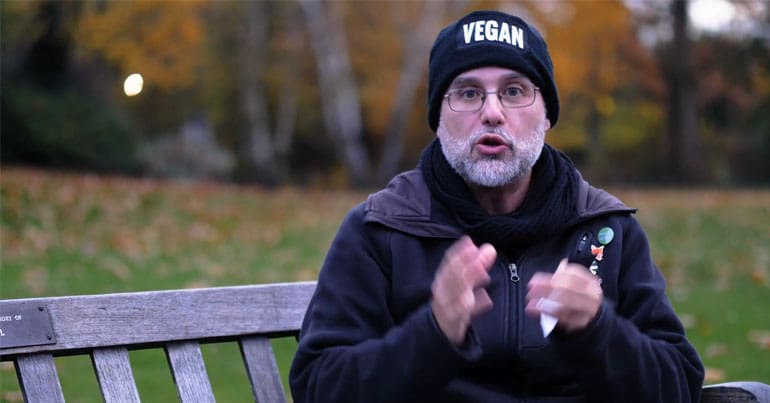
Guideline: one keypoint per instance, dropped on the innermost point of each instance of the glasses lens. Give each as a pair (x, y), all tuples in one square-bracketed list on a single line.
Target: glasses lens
[(466, 99), (517, 96)]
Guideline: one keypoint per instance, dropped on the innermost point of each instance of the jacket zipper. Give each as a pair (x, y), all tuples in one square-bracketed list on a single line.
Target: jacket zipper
[(511, 309), (511, 297), (514, 272)]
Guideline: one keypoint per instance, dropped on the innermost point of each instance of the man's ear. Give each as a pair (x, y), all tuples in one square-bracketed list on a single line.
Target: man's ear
[(548, 125)]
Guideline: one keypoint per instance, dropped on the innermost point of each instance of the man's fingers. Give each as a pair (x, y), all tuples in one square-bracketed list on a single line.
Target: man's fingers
[(571, 293), (562, 265), (487, 255), (572, 275), (462, 252), (482, 302), (458, 288), (549, 306), (475, 272), (539, 286)]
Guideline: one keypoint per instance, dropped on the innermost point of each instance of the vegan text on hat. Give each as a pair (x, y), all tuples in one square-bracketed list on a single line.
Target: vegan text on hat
[(490, 30)]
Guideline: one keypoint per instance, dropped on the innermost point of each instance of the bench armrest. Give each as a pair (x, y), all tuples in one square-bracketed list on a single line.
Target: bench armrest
[(736, 392)]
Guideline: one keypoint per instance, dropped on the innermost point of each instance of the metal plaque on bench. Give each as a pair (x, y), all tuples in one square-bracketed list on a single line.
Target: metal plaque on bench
[(25, 324)]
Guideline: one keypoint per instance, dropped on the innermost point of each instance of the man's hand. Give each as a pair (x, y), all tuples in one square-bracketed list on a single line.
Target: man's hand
[(572, 294), (458, 288)]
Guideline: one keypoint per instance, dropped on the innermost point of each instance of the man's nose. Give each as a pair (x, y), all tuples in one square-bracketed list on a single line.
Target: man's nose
[(492, 113)]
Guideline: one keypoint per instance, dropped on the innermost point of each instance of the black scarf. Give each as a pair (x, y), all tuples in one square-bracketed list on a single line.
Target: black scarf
[(548, 208)]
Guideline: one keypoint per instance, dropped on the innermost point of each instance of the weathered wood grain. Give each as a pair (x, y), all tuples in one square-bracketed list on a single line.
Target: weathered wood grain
[(189, 372), (145, 319), (262, 369), (736, 392), (113, 371), (38, 379), (108, 326)]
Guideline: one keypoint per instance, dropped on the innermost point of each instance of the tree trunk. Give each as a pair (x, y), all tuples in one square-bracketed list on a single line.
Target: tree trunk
[(265, 150), (417, 43), (286, 113), (340, 102), (257, 145), (684, 154), (595, 153)]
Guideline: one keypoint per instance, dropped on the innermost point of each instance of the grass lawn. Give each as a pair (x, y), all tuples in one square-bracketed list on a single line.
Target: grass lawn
[(67, 234)]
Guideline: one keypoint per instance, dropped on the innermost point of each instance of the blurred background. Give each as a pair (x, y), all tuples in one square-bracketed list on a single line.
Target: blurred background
[(334, 93), (174, 144)]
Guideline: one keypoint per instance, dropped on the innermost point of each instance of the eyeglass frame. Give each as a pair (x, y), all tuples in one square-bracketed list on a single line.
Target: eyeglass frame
[(484, 95)]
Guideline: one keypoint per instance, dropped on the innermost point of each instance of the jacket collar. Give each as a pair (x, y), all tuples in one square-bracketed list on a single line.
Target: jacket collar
[(406, 205)]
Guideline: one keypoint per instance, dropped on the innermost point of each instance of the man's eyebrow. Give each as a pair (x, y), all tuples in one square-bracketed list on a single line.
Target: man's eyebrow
[(514, 76), (475, 82), (464, 82)]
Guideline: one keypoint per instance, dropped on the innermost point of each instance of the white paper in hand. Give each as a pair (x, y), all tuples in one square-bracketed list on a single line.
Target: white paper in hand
[(548, 308), (547, 322)]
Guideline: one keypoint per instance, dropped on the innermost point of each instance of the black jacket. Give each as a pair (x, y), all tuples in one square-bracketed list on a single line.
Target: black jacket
[(369, 334)]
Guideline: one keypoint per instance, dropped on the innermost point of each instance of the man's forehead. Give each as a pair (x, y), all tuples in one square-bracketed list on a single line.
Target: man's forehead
[(496, 74)]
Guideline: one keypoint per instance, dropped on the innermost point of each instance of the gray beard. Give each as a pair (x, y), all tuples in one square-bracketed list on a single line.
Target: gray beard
[(492, 171)]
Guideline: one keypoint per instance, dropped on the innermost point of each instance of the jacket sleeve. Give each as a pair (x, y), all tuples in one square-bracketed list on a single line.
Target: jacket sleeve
[(636, 349), (350, 347)]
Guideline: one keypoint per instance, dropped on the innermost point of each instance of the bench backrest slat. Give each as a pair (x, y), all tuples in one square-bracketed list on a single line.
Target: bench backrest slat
[(156, 317), (38, 379), (262, 369), (113, 371), (189, 372)]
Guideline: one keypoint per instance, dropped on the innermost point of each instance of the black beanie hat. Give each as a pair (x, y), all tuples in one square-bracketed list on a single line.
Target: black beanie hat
[(489, 38)]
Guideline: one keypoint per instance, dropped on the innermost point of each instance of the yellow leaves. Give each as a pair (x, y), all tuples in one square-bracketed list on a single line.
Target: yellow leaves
[(376, 53), (19, 24), (588, 47), (160, 39), (605, 105)]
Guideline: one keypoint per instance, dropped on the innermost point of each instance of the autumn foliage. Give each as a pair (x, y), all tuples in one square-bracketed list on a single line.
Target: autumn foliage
[(333, 93)]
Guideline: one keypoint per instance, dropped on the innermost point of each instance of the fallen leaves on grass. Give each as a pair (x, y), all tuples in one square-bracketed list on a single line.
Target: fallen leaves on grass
[(759, 276), (13, 396), (714, 375), (688, 320), (716, 350), (761, 338), (149, 229)]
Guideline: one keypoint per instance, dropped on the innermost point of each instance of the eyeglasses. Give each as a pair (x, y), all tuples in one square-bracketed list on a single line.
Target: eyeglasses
[(471, 99)]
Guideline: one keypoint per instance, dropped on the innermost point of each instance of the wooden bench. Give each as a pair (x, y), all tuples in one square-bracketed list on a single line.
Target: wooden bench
[(736, 392), (106, 327)]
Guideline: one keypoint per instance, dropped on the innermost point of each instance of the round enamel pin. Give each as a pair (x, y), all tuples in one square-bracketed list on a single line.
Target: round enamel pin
[(605, 235)]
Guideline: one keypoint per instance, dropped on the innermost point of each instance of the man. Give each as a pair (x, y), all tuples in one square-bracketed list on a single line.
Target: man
[(445, 286)]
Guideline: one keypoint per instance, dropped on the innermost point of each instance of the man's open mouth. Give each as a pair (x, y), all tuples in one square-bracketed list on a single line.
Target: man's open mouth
[(491, 144)]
